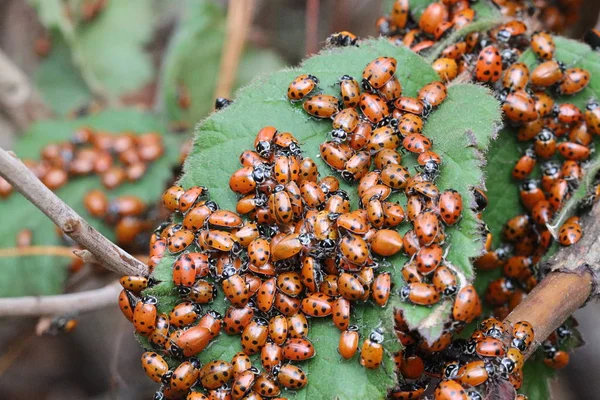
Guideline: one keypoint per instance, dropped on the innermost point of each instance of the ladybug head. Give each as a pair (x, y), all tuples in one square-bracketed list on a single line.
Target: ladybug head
[(451, 370), (473, 394), (195, 362), (264, 149), (529, 185), (314, 79), (592, 104), (214, 314), (159, 395), (338, 135), (150, 300), (376, 336), (222, 102), (346, 78), (166, 379), (520, 344), (183, 290)]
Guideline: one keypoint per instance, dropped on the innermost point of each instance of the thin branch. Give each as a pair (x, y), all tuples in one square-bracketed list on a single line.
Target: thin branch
[(312, 27), (109, 254), (18, 99), (572, 282), (239, 17), (59, 251), (60, 304), (552, 301)]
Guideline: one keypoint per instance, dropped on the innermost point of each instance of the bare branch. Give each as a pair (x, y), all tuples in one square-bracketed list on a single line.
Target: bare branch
[(18, 99), (239, 18), (109, 254), (571, 283), (311, 37), (60, 304)]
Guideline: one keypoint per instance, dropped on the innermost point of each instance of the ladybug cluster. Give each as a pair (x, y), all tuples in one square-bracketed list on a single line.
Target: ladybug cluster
[(493, 352), (441, 18), (116, 159), (302, 253)]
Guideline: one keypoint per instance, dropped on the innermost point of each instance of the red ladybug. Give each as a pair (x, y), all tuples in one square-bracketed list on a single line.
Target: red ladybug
[(489, 65)]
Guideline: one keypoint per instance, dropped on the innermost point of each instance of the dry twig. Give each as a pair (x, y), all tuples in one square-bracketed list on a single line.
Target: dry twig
[(568, 287), (62, 303), (239, 18), (107, 253)]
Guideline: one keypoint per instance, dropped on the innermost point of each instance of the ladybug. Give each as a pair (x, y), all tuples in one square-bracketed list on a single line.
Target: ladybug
[(474, 373), (412, 367), (360, 136), (317, 305), (467, 305), (408, 391), (490, 347), (371, 354), (321, 106), (357, 166), (558, 194), (382, 138), (215, 374), (161, 333), (236, 319), (531, 193), (426, 227), (346, 120), (393, 214), (524, 165), (409, 124), (144, 315), (542, 213), (446, 68), (291, 377), (185, 375), (416, 143), (516, 77), (519, 106), (350, 287), (154, 366), (592, 116), (189, 198), (373, 107), (297, 349), (302, 86), (433, 93), (254, 336), (544, 104), (134, 284), (184, 314), (555, 359), (297, 325), (420, 293), (444, 281), (259, 251), (489, 65), (127, 303), (243, 382), (568, 113), (348, 344), (544, 144), (450, 205), (265, 386), (410, 243), (543, 45), (574, 81), (378, 72), (573, 151), (455, 51), (278, 329), (341, 39), (271, 356), (391, 90), (381, 289), (413, 106), (547, 74), (170, 198), (290, 283), (240, 362), (450, 390), (434, 15), (96, 203), (280, 205), (570, 232), (386, 242), (242, 181), (349, 90), (236, 290), (499, 291), (428, 258), (223, 219), (335, 154)]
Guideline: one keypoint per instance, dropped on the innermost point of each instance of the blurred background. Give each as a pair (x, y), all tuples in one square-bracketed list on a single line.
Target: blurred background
[(81, 56)]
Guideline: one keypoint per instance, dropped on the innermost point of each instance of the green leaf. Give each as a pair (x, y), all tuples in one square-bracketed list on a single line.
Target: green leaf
[(42, 275), (108, 52), (503, 191), (59, 81), (460, 142), (193, 59)]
